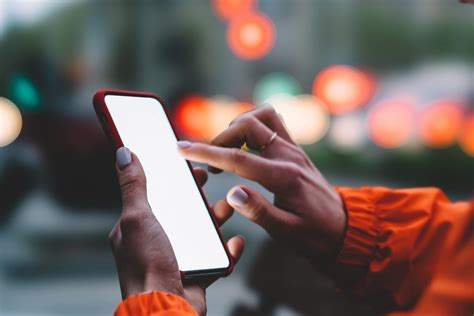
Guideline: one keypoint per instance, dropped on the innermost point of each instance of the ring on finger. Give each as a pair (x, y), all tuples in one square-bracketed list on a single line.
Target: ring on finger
[(270, 141)]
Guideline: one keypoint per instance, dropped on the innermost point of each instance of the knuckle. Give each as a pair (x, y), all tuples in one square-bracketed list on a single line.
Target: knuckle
[(298, 155), (238, 118), (112, 237), (132, 220), (250, 123), (257, 212), (237, 156), (269, 110), (248, 120), (294, 174), (133, 181)]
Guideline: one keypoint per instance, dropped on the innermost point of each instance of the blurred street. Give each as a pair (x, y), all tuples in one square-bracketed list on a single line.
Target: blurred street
[(377, 92)]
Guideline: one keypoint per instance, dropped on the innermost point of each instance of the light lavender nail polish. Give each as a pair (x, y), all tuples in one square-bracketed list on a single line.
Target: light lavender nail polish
[(237, 197), (124, 157), (183, 144)]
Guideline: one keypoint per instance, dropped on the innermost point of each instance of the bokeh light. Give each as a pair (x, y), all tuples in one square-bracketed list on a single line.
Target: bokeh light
[(347, 132), (466, 138), (24, 93), (223, 111), (440, 124), (251, 36), (343, 88), (391, 123), (191, 116), (275, 83), (228, 9), (306, 118), (203, 118), (10, 122)]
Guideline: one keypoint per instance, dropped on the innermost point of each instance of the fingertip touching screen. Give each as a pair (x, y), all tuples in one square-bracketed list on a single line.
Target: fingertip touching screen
[(172, 191)]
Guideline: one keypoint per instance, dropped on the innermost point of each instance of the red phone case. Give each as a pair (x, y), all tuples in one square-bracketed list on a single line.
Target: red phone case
[(111, 131)]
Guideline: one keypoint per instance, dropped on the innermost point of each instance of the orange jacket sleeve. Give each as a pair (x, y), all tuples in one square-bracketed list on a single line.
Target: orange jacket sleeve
[(399, 243), (155, 304)]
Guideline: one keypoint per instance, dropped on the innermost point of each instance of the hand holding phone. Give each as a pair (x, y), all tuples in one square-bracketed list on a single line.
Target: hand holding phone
[(144, 257), (139, 121)]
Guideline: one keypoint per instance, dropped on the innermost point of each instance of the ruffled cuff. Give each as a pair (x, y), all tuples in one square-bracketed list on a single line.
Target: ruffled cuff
[(360, 241), (155, 303)]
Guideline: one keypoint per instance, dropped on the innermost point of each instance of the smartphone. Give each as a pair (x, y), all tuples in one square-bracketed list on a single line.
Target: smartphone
[(140, 122)]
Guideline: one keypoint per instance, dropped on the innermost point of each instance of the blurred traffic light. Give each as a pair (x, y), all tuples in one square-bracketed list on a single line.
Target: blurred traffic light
[(391, 123), (251, 36), (202, 118), (228, 9), (24, 93), (466, 139), (441, 124), (343, 88), (275, 83)]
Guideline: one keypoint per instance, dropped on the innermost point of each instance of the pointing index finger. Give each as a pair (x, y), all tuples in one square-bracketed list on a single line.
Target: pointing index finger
[(233, 160)]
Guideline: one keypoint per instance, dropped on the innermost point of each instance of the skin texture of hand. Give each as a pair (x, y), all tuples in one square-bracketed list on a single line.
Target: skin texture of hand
[(143, 254), (307, 213)]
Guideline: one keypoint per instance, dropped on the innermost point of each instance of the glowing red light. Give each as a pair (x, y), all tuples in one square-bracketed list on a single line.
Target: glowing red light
[(251, 36), (343, 88), (228, 9), (441, 123), (466, 139), (391, 123), (191, 116), (203, 118)]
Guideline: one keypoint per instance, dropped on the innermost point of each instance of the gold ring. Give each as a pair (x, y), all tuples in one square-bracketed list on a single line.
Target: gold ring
[(272, 138)]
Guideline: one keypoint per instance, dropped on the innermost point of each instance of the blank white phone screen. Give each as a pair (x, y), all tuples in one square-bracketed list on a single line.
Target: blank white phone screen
[(172, 192)]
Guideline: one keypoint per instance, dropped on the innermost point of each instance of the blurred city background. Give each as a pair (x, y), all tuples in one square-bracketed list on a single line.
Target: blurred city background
[(377, 92)]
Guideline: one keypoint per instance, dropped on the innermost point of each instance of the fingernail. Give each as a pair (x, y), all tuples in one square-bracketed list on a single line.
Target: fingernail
[(237, 197), (183, 144), (124, 157)]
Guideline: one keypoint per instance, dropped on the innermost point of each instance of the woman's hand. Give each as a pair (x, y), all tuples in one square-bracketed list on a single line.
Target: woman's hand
[(307, 213), (143, 254)]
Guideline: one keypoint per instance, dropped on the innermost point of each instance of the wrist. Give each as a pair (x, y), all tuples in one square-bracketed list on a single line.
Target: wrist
[(326, 252), (151, 282), (172, 284), (342, 221)]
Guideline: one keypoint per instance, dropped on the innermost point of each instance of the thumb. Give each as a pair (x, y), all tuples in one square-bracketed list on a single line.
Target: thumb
[(254, 206), (131, 178)]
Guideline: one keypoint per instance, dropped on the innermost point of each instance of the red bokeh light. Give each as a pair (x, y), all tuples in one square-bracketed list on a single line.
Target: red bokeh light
[(191, 115), (466, 139), (251, 36), (441, 123), (228, 9), (203, 118), (343, 88), (391, 123)]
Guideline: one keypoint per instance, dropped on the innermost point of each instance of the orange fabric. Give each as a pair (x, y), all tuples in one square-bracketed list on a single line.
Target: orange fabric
[(408, 246), (155, 304)]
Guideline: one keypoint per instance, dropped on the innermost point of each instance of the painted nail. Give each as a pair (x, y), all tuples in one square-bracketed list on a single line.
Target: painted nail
[(237, 197), (124, 157), (183, 144)]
